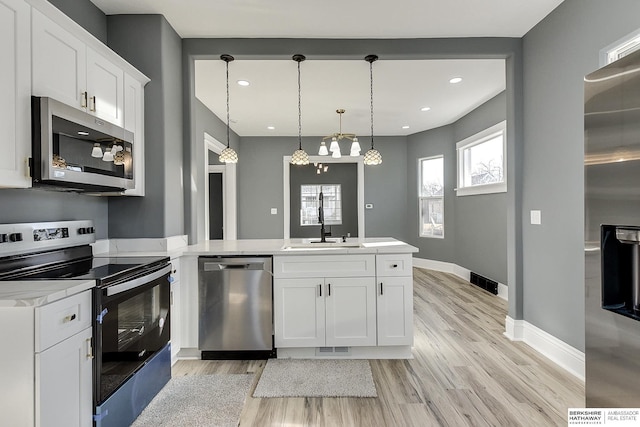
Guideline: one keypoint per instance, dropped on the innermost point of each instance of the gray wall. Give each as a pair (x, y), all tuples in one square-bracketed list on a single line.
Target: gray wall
[(150, 44), (36, 205), (345, 174), (558, 53), (86, 14), (475, 230)]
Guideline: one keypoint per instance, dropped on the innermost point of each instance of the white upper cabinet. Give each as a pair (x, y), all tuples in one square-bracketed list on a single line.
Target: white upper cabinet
[(134, 122), (15, 90), (66, 69)]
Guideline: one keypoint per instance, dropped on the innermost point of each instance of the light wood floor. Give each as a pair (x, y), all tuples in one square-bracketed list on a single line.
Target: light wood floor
[(464, 373)]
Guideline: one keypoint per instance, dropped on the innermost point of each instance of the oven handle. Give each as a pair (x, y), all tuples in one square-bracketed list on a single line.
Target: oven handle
[(123, 287)]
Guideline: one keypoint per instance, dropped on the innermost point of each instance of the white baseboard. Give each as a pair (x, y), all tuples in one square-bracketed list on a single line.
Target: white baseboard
[(556, 350), (461, 272)]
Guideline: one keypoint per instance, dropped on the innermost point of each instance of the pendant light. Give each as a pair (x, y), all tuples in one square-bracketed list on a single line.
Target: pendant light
[(373, 156), (228, 155), (300, 157)]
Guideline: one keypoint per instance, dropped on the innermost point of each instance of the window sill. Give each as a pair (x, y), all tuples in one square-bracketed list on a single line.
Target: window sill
[(425, 236), (482, 189)]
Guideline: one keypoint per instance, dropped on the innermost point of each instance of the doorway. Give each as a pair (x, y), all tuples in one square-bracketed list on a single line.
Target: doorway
[(216, 206)]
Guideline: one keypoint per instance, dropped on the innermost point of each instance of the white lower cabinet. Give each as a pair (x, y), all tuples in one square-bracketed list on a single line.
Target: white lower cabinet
[(395, 310), (64, 383), (175, 310), (47, 377), (325, 312)]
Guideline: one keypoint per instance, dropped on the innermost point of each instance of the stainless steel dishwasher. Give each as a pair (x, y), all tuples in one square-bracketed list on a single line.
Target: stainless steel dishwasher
[(235, 300)]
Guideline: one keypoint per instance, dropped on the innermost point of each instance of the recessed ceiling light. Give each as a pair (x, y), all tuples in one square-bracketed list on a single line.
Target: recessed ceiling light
[(271, 127), (405, 127), (425, 109), (243, 83), (455, 80), (83, 133)]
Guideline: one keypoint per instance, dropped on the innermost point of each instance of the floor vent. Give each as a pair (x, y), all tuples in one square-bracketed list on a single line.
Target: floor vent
[(333, 351), (484, 283)]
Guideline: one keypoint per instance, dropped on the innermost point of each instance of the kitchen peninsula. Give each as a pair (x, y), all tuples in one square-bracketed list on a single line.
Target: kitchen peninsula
[(344, 298)]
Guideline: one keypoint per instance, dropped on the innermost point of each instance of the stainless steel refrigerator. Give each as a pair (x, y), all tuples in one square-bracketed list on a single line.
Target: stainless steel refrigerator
[(612, 234)]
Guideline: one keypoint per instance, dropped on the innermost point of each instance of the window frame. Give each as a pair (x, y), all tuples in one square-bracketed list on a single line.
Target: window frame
[(327, 222), (421, 198), (472, 141)]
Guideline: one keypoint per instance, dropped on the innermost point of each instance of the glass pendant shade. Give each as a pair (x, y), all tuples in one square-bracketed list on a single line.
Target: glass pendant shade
[(108, 156), (336, 154), (118, 159), (323, 149), (300, 158), (355, 148), (97, 151), (334, 145), (372, 157), (228, 155)]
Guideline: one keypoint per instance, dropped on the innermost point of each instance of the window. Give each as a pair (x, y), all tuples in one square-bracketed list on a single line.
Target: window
[(331, 200), (482, 162), (431, 194)]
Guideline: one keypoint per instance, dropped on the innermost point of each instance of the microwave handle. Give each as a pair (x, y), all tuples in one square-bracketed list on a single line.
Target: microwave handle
[(125, 286)]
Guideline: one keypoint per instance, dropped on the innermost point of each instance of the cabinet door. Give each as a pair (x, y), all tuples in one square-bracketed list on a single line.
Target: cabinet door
[(15, 87), (105, 88), (134, 122), (350, 311), (64, 383), (299, 317), (395, 310), (58, 62)]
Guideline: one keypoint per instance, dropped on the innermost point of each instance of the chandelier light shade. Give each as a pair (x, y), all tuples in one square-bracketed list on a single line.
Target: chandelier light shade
[(355, 148), (97, 150), (300, 157), (373, 156), (228, 155), (323, 151)]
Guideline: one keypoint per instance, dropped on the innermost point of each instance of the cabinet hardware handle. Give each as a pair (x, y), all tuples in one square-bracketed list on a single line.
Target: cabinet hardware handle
[(89, 349), (320, 288), (83, 99), (381, 290), (329, 293), (69, 318), (171, 298), (93, 99)]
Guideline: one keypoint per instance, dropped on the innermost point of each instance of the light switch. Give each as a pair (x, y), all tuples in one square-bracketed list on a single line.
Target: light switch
[(536, 217), (274, 211)]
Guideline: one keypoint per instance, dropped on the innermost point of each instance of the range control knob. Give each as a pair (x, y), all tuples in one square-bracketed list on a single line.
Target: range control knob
[(82, 230), (4, 238), (15, 237), (91, 230)]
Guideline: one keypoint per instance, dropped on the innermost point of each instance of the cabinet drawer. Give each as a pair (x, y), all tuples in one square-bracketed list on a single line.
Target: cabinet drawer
[(324, 266), (175, 269), (61, 319), (394, 265)]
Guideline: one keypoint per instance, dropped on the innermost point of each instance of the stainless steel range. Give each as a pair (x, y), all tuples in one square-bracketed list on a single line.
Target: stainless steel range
[(131, 300)]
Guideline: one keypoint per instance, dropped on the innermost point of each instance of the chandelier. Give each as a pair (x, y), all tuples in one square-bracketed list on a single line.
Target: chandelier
[(300, 157), (373, 156), (334, 147)]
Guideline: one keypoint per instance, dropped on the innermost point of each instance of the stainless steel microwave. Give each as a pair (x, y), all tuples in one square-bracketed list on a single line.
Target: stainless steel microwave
[(77, 151)]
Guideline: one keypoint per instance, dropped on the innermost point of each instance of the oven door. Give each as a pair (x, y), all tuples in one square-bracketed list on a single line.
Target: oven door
[(132, 323)]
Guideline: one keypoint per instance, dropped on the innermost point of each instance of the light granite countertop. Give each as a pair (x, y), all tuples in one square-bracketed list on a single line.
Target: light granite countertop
[(374, 245), (34, 293)]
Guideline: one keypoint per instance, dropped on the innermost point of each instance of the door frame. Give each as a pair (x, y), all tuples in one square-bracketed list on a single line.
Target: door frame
[(229, 198), (286, 211)]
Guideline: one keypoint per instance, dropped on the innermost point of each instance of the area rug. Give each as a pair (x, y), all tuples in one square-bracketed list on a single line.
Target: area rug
[(198, 400), (316, 378)]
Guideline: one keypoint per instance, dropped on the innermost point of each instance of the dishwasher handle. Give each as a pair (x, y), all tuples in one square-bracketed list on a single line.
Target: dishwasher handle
[(218, 266)]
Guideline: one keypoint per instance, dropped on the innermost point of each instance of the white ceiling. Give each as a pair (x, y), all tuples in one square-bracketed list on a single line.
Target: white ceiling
[(401, 88)]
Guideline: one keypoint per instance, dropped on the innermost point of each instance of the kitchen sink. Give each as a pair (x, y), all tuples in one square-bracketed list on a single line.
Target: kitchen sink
[(315, 244)]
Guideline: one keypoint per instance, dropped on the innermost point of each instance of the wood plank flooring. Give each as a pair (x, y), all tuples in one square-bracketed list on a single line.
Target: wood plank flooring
[(464, 373)]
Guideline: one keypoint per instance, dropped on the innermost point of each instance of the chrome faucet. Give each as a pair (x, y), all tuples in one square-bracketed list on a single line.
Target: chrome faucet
[(323, 233)]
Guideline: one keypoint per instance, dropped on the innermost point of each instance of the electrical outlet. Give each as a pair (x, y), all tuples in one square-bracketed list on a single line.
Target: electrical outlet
[(274, 211), (536, 217)]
